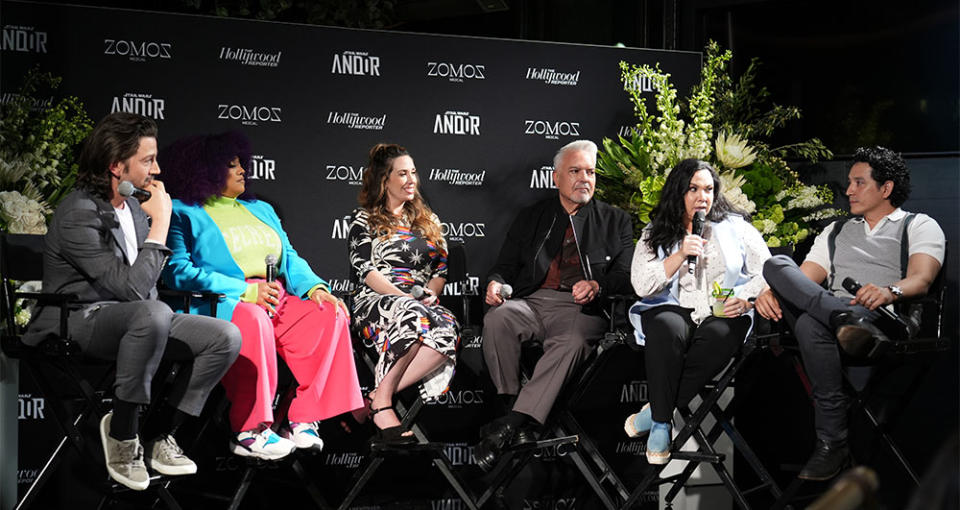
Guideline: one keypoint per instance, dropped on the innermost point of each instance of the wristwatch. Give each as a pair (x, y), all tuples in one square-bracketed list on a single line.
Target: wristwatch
[(897, 293)]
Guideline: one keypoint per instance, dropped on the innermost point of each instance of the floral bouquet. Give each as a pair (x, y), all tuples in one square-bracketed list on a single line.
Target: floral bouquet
[(720, 123)]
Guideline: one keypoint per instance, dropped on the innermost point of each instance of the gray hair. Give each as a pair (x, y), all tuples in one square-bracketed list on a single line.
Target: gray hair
[(576, 145)]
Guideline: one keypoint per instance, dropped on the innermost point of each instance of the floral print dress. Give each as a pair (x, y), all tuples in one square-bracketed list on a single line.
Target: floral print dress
[(393, 323)]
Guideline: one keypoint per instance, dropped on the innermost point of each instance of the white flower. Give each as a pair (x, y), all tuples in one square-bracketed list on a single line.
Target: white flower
[(733, 152), (806, 197), (22, 215), (730, 182)]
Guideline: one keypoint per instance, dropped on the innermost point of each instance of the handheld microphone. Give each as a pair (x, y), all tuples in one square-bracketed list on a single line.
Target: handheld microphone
[(417, 292), (506, 290), (127, 189), (852, 286), (697, 230), (271, 262)]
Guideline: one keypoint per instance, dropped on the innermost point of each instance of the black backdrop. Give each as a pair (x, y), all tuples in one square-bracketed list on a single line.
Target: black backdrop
[(481, 117)]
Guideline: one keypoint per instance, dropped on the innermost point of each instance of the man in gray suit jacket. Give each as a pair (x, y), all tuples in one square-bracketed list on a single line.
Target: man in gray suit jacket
[(109, 249)]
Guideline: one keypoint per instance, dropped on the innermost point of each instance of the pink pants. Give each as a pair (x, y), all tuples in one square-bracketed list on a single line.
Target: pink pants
[(314, 341)]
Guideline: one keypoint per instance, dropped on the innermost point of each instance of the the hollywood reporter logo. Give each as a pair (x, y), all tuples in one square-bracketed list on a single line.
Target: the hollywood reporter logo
[(249, 57), (137, 51), (23, 39), (551, 76), (551, 130), (357, 63), (141, 104), (456, 73), (456, 123), (249, 115)]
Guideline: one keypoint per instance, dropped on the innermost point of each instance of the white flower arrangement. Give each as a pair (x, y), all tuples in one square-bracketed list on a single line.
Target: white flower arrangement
[(21, 214)]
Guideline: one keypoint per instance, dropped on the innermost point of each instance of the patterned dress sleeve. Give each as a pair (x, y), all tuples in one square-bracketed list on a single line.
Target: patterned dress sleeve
[(360, 246), (647, 273), (440, 261)]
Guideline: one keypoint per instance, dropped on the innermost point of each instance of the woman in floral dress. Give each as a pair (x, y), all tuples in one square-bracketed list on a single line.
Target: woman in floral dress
[(399, 259)]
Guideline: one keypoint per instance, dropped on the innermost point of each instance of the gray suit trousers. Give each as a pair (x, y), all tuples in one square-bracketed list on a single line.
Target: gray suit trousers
[(137, 334), (549, 316)]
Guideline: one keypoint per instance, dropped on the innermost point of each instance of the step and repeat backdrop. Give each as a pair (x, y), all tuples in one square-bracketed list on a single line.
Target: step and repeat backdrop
[(481, 117)]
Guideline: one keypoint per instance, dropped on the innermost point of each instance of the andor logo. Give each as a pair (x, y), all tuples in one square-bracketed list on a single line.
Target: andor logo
[(457, 123), (542, 178), (357, 63), (23, 39), (141, 104), (262, 168)]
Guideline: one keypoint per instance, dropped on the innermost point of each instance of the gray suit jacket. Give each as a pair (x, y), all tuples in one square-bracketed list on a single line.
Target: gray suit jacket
[(86, 255)]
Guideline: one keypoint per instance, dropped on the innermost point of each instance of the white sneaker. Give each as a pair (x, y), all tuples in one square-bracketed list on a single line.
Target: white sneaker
[(124, 458), (165, 457), (262, 444), (304, 435)]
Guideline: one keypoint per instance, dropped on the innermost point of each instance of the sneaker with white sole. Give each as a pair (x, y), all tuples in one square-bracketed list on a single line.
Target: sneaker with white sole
[(165, 457), (304, 435), (124, 458), (262, 444)]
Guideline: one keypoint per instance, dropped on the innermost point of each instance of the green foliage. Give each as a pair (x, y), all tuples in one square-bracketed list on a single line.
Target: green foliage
[(39, 136), (756, 177)]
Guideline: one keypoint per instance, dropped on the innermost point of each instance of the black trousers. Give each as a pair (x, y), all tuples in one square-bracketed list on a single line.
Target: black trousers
[(807, 308), (682, 357)]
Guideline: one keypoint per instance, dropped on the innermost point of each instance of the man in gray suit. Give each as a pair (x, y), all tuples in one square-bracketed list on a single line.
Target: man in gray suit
[(108, 250)]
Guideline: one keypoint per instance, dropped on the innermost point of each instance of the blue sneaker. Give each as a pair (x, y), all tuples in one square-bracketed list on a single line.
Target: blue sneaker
[(304, 435), (638, 424), (658, 444), (262, 444)]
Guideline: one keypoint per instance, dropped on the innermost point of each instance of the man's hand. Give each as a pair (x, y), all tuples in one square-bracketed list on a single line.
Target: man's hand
[(159, 206), (268, 295), (873, 297), (493, 294), (768, 306), (584, 291)]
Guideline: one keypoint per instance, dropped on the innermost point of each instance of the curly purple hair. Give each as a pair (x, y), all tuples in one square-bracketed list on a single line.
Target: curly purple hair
[(194, 168)]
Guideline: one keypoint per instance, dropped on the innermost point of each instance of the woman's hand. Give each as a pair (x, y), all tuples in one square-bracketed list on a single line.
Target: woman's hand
[(428, 298), (321, 296), (268, 296), (692, 246), (735, 307)]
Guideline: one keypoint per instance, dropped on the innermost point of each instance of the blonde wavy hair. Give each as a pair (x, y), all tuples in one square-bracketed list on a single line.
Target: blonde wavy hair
[(373, 198)]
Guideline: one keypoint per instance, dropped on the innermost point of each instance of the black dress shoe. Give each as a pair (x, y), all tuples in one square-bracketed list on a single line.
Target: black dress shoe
[(494, 437), (828, 459), (856, 335)]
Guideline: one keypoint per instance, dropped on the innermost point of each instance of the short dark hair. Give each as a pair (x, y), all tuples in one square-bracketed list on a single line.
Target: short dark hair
[(194, 168), (115, 138), (886, 165)]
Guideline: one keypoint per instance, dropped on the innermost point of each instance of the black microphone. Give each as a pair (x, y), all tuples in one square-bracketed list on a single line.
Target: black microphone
[(127, 189), (697, 230), (852, 286), (506, 290), (271, 262)]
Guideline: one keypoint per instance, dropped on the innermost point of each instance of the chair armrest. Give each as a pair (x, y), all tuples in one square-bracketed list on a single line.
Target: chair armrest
[(189, 295), (46, 298)]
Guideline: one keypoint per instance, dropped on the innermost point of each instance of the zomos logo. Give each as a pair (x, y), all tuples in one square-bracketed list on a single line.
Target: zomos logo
[(458, 398), (346, 173), (459, 231), (456, 73), (551, 130), (137, 51), (249, 115)]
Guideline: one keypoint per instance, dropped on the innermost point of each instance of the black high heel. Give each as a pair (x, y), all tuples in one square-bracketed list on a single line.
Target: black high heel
[(391, 435)]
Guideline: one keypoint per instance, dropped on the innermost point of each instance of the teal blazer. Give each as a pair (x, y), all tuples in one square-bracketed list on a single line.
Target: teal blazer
[(201, 260)]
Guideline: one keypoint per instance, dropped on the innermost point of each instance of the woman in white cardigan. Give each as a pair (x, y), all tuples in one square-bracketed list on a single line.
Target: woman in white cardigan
[(687, 343)]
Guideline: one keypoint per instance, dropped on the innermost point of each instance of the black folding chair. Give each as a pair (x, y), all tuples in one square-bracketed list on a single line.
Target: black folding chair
[(368, 357), (910, 355), (706, 451), (563, 430), (21, 259)]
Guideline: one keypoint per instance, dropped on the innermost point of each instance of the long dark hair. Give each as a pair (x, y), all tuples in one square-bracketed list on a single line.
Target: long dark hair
[(115, 138), (373, 197), (667, 222)]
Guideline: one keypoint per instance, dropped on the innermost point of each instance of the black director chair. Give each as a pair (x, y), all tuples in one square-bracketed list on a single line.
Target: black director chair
[(366, 351), (562, 430), (21, 259), (915, 343)]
